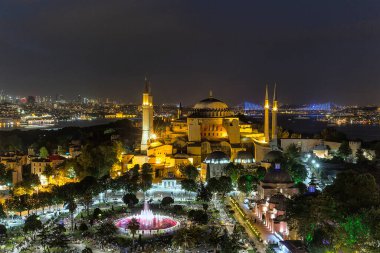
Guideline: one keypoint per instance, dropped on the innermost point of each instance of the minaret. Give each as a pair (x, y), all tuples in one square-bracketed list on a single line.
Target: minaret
[(179, 111), (266, 116), (274, 115), (147, 116)]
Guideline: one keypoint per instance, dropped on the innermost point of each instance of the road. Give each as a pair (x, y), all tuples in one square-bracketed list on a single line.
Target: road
[(246, 223)]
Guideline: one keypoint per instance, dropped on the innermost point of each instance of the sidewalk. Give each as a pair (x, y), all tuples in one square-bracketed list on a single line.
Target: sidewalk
[(265, 234)]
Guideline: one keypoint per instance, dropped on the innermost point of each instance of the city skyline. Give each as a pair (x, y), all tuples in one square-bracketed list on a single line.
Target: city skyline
[(324, 51)]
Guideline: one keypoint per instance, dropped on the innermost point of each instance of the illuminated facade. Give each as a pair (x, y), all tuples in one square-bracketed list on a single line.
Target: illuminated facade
[(262, 147), (210, 126), (147, 117)]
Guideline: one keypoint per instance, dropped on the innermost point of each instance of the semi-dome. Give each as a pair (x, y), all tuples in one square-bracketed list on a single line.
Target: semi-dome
[(277, 176), (211, 104), (273, 156), (244, 157), (217, 157)]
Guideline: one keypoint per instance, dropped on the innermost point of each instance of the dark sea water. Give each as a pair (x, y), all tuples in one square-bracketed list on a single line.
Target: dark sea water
[(312, 126), (305, 126), (62, 124)]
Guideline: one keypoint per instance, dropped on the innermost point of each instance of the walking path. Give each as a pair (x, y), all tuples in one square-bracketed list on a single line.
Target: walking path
[(251, 230), (265, 234)]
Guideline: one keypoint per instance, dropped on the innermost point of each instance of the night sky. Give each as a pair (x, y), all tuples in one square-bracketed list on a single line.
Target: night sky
[(316, 51)]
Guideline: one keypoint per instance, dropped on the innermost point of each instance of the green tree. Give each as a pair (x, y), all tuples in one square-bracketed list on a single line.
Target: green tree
[(225, 184), (15, 204), (213, 185), (129, 181), (233, 171), (3, 215), (344, 150), (133, 226), (360, 158), (298, 172), (32, 224), (167, 201), (5, 175), (184, 238), (214, 237), (260, 173), (31, 181), (130, 199), (86, 201), (107, 231), (189, 171), (44, 153), (247, 183), (48, 172), (58, 238), (146, 177), (203, 194), (83, 227), (72, 206), (198, 216), (3, 231), (189, 185), (353, 191), (292, 154)]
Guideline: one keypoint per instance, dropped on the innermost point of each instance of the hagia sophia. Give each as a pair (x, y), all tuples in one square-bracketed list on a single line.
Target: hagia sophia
[(209, 137)]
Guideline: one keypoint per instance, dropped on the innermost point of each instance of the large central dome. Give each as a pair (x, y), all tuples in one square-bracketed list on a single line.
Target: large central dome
[(211, 104), (210, 108)]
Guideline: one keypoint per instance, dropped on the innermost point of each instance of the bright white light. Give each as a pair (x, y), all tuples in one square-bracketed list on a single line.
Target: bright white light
[(313, 161)]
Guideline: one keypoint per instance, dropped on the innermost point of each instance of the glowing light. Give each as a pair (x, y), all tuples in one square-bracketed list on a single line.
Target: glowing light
[(149, 221)]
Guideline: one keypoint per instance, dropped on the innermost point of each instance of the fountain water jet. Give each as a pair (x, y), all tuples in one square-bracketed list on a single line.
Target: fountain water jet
[(150, 223)]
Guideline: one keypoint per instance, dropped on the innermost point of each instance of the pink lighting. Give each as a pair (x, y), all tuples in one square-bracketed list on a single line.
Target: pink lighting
[(150, 223)]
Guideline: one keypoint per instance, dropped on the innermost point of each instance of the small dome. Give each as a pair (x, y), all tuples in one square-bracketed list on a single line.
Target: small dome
[(273, 156), (211, 104), (277, 198), (277, 176), (244, 157), (217, 157)]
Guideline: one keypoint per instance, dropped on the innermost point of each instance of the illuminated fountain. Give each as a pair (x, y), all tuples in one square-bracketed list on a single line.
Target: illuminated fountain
[(150, 223)]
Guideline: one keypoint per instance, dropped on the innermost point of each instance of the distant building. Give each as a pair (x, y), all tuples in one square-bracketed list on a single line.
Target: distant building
[(38, 166)]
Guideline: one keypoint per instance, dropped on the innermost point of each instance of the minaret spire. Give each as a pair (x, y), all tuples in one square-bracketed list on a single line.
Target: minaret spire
[(266, 115), (210, 94), (146, 84), (274, 116)]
